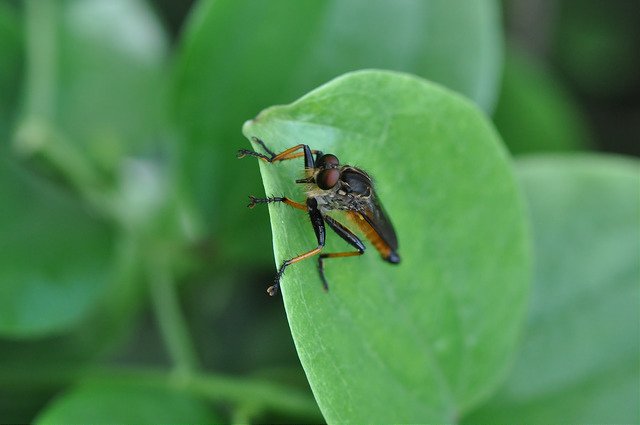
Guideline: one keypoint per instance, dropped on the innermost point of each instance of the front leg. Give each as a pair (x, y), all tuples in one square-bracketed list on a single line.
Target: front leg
[(253, 201), (290, 153)]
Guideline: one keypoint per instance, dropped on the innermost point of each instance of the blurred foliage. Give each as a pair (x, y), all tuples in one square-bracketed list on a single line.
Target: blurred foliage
[(535, 112), (132, 277), (38, 278), (592, 46), (124, 404), (584, 304), (11, 69), (597, 45)]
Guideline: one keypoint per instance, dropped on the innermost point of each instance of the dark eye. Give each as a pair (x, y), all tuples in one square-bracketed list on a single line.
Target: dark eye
[(327, 178), (327, 161)]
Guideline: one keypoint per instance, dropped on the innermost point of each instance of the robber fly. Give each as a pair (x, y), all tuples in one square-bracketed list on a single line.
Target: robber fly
[(329, 187)]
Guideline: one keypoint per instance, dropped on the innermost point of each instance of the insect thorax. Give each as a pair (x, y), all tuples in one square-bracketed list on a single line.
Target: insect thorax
[(332, 200)]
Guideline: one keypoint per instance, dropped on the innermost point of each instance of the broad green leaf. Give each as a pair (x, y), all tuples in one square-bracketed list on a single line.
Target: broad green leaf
[(535, 113), (54, 256), (578, 361), (425, 340), (119, 404), (240, 56)]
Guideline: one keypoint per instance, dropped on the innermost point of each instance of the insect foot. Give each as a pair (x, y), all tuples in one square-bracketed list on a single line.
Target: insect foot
[(273, 289), (252, 201)]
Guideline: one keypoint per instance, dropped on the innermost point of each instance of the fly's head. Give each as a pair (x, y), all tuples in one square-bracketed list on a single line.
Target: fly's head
[(338, 183)]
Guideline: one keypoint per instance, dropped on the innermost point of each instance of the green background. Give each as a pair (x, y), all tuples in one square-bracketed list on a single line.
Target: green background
[(502, 138)]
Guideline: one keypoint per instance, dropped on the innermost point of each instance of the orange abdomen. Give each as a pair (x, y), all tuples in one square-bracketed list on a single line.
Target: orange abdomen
[(381, 246)]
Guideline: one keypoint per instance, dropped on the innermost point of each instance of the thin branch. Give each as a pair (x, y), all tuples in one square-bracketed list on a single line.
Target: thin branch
[(173, 326), (260, 394)]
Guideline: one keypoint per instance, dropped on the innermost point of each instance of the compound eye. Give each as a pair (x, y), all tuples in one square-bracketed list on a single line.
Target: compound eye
[(327, 178), (328, 161)]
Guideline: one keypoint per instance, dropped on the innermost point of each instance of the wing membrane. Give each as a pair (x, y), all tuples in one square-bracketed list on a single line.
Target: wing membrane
[(378, 219), (369, 214)]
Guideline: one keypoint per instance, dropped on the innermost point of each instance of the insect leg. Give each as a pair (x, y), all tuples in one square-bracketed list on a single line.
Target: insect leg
[(318, 227), (348, 237), (290, 153), (294, 204), (261, 143)]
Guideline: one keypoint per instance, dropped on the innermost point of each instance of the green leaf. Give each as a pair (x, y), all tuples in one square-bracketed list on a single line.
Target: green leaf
[(119, 404), (55, 257), (92, 95), (595, 44), (425, 340), (112, 59), (578, 362), (240, 56), (11, 69), (535, 113), (96, 76)]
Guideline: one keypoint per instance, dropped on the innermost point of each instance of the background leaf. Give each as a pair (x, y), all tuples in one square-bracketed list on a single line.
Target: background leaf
[(594, 45), (10, 72), (425, 340), (125, 404), (111, 75), (40, 290), (535, 112), (95, 81), (240, 56), (578, 361), (95, 96)]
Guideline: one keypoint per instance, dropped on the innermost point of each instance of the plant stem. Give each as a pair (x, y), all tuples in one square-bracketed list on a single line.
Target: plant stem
[(37, 135), (42, 43), (242, 414), (259, 394), (173, 326), (236, 390)]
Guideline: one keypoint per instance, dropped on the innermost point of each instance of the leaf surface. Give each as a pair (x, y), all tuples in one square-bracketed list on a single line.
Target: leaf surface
[(578, 362), (125, 405), (54, 257), (424, 340)]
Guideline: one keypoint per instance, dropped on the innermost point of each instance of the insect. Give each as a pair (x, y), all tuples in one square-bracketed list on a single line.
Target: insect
[(331, 186)]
